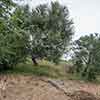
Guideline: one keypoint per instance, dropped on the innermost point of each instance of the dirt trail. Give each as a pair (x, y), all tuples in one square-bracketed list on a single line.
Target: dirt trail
[(35, 88)]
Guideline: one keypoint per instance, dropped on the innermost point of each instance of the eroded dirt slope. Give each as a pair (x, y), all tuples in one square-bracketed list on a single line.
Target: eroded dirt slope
[(18, 87)]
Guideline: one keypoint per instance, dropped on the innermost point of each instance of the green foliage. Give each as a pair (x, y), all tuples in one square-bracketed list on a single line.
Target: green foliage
[(5, 8), (12, 45), (51, 30), (13, 40), (87, 55)]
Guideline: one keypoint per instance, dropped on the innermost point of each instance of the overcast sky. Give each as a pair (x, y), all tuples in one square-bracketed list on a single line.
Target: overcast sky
[(85, 13)]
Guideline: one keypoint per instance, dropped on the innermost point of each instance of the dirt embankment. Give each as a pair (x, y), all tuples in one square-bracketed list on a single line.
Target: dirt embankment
[(17, 87)]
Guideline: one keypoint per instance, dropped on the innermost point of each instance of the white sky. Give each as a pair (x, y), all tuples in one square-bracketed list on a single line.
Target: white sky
[(85, 14)]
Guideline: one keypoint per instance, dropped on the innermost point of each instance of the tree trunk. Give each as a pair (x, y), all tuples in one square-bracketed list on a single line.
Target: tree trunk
[(34, 61), (87, 65)]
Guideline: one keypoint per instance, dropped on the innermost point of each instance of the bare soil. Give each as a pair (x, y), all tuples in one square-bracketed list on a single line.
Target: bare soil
[(20, 87)]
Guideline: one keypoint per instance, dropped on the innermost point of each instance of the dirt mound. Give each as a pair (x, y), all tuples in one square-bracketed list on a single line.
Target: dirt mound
[(83, 95), (20, 87)]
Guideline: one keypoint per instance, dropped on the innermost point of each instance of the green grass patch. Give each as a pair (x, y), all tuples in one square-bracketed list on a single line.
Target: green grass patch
[(46, 69), (43, 69)]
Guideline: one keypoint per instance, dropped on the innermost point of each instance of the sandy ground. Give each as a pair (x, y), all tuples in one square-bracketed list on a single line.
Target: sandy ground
[(18, 87)]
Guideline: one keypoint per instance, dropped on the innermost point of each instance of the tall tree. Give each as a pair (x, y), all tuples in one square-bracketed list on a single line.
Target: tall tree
[(87, 55), (13, 38), (51, 30), (49, 27)]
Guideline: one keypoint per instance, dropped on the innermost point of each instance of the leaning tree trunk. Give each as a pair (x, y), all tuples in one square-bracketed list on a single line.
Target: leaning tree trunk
[(34, 61)]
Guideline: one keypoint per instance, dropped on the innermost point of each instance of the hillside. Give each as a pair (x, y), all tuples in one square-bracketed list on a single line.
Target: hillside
[(46, 81), (21, 87)]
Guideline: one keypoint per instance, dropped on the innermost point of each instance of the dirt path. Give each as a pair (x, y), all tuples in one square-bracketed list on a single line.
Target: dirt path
[(35, 88)]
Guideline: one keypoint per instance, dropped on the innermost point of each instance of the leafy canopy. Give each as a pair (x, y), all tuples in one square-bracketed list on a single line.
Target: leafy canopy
[(51, 30), (45, 31), (87, 55), (13, 39)]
